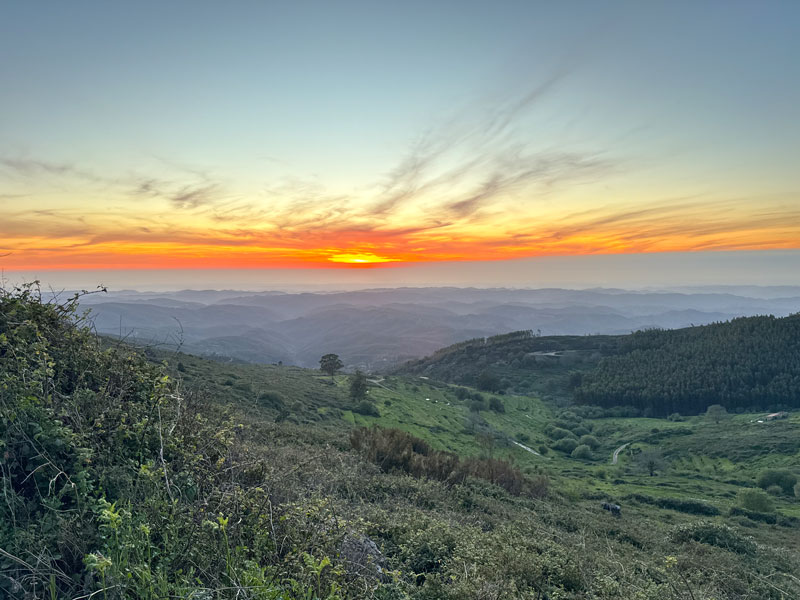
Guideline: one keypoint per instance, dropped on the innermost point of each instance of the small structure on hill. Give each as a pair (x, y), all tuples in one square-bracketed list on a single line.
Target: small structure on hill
[(778, 415)]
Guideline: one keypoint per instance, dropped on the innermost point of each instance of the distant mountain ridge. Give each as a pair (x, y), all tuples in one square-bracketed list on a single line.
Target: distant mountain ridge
[(381, 328)]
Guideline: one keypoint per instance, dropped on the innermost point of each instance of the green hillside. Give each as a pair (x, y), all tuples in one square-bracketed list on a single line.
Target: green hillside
[(747, 364), (153, 474)]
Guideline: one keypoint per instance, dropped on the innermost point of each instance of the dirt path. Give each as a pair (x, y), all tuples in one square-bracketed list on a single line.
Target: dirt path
[(524, 447), (379, 384), (617, 451)]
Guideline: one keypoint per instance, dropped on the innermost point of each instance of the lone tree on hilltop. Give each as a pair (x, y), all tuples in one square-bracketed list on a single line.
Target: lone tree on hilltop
[(716, 413), (358, 386), (330, 363)]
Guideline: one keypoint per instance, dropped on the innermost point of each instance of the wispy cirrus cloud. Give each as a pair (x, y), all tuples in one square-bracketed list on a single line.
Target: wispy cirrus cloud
[(475, 185)]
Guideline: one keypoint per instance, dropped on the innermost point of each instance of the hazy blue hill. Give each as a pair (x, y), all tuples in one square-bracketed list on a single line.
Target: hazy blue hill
[(378, 328)]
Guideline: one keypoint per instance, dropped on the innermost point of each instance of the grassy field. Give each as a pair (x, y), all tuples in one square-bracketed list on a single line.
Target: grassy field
[(702, 464), (701, 459)]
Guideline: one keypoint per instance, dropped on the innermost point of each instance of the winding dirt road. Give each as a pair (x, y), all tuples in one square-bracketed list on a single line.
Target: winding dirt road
[(617, 451)]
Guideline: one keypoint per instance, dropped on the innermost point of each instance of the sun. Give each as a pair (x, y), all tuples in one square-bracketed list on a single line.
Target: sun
[(360, 258)]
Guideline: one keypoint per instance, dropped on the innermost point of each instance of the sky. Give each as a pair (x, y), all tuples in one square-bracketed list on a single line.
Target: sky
[(413, 141)]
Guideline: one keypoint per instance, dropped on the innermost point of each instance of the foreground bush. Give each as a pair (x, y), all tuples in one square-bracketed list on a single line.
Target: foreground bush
[(114, 481)]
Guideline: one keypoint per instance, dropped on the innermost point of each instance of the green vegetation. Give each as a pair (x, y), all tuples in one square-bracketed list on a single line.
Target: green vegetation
[(154, 475), (330, 364), (748, 364), (358, 387), (583, 452), (782, 479)]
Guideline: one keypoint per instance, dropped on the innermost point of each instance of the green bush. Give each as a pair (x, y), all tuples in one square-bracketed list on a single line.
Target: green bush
[(488, 382), (566, 445), (685, 505), (589, 440), (462, 393), (714, 534), (558, 433), (775, 490), (477, 406), (755, 500), (366, 408), (271, 399), (783, 478), (583, 452), (496, 405), (753, 515)]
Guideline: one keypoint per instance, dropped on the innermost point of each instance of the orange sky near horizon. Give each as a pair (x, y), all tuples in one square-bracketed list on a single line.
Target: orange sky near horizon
[(120, 241)]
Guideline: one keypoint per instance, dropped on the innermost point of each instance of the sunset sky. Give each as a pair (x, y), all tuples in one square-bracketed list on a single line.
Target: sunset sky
[(263, 135)]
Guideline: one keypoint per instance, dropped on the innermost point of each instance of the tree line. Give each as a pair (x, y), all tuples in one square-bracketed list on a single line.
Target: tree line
[(747, 364)]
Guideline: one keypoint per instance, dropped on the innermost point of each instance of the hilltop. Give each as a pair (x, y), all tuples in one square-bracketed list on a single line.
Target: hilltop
[(746, 364)]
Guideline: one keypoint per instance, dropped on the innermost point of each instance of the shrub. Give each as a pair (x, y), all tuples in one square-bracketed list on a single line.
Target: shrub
[(580, 430), (583, 452), (477, 406), (675, 417), (783, 478), (566, 444), (797, 490), (755, 500), (366, 408), (462, 393), (271, 399), (488, 382), (685, 505), (496, 405), (753, 515), (589, 440), (714, 534), (775, 490), (558, 433)]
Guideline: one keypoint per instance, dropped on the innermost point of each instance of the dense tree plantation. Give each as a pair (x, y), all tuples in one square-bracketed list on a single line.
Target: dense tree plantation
[(143, 475), (750, 364)]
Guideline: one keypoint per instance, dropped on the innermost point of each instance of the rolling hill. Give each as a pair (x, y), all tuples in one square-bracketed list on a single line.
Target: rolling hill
[(746, 364)]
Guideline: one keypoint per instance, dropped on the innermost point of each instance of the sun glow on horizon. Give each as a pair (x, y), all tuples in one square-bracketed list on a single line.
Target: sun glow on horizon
[(361, 258)]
